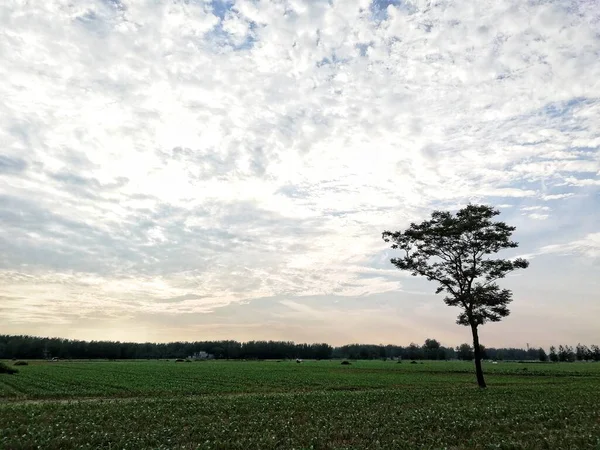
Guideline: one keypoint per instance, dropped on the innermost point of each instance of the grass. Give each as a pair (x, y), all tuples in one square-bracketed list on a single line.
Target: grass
[(321, 405)]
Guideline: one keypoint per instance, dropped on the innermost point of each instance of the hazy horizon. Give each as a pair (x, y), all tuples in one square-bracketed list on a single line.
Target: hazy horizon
[(224, 169)]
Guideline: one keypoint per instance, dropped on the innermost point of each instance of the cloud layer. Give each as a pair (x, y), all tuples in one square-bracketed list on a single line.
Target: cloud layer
[(174, 158)]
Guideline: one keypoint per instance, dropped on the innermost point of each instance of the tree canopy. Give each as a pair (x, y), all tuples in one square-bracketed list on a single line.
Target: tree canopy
[(451, 250)]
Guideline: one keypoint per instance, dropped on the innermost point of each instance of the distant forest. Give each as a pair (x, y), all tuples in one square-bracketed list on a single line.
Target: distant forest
[(32, 347)]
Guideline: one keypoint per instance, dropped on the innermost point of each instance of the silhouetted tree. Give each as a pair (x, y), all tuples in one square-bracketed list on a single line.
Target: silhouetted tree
[(450, 250), (553, 355), (595, 352), (562, 353), (464, 352), (414, 351), (570, 353), (589, 353), (432, 350), (542, 356), (484, 352), (581, 352), (566, 353)]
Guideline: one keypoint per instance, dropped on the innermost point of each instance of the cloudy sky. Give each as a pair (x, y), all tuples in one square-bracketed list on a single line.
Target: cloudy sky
[(224, 169)]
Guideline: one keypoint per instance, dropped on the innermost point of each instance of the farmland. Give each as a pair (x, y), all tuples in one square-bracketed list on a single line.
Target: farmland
[(316, 404)]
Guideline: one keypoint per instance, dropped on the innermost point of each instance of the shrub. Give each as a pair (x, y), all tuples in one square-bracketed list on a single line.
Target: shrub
[(188, 360), (21, 363), (6, 369), (179, 360), (413, 362), (345, 363)]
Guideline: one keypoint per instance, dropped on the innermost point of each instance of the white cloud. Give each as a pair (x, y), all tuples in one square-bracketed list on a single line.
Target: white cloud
[(557, 196), (536, 212), (535, 208), (537, 216), (589, 247), (571, 181), (172, 149)]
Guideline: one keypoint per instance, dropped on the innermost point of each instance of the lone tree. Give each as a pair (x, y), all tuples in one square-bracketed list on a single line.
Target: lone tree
[(451, 250)]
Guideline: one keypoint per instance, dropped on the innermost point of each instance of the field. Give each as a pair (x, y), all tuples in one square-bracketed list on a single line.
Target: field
[(284, 405)]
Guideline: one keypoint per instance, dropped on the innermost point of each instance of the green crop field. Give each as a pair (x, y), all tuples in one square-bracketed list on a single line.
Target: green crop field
[(284, 405)]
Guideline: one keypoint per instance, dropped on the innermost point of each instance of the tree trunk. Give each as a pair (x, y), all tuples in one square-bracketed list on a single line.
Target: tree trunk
[(477, 352)]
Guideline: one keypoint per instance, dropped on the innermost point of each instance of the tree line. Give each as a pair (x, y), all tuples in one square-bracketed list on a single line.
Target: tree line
[(431, 350), (33, 347), (566, 353)]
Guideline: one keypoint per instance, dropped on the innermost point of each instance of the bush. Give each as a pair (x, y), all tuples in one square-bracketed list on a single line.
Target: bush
[(6, 369), (188, 360), (179, 360), (413, 362), (345, 363), (21, 363)]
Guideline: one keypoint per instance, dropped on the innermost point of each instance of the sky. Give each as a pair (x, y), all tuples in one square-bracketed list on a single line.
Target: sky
[(189, 170)]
